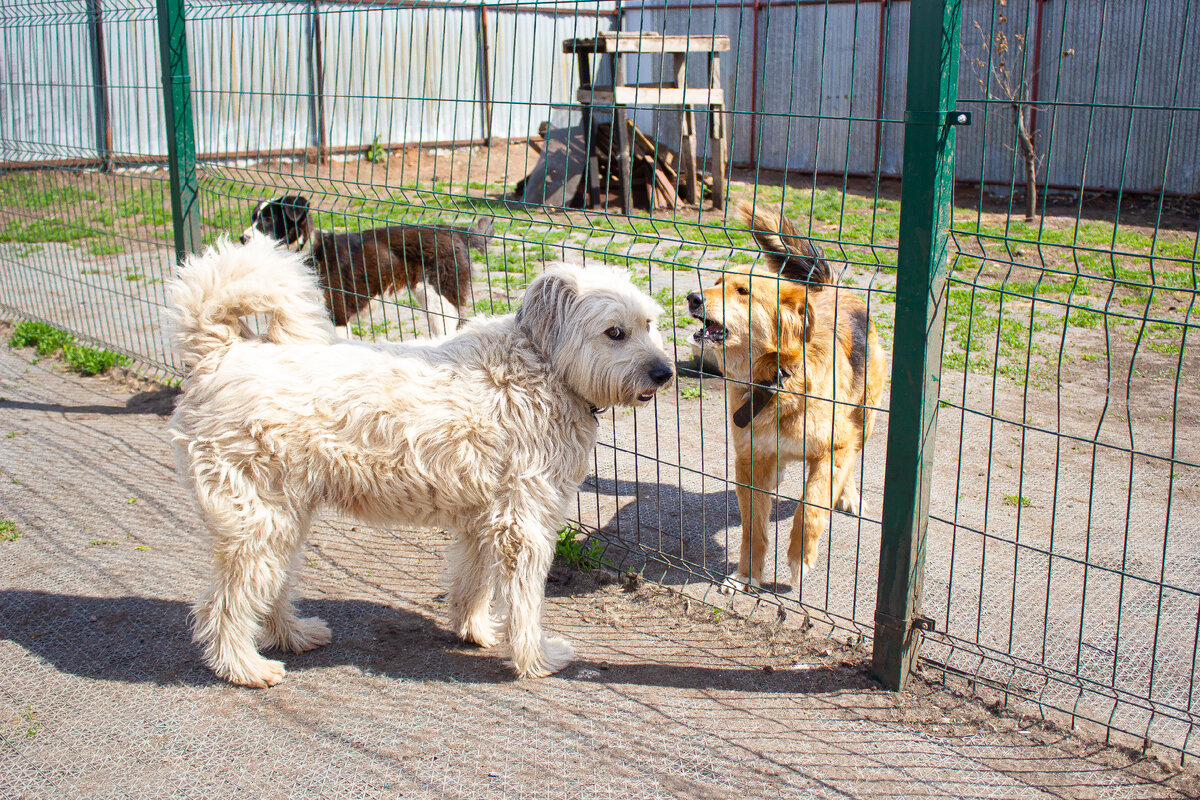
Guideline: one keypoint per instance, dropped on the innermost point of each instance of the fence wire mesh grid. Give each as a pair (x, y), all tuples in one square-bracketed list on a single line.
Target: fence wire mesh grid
[(1060, 557)]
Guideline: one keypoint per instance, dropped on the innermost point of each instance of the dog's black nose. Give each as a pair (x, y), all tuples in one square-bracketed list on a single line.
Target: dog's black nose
[(661, 373), (243, 239), (695, 301)]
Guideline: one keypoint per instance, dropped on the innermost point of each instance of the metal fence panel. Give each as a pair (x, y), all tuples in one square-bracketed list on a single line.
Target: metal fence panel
[(46, 109)]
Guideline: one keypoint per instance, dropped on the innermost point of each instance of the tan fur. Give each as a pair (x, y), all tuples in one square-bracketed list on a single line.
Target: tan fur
[(486, 434), (823, 416)]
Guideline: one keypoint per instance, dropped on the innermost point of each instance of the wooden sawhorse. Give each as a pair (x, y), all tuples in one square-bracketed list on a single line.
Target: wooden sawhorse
[(621, 94)]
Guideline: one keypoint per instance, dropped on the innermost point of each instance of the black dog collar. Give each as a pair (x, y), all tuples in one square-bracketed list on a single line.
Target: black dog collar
[(760, 396)]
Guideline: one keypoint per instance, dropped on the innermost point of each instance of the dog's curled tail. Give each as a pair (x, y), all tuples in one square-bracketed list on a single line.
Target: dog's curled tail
[(214, 290), (790, 253)]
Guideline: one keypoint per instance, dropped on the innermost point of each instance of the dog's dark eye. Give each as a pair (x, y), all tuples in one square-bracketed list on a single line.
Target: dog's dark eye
[(615, 333), (743, 290)]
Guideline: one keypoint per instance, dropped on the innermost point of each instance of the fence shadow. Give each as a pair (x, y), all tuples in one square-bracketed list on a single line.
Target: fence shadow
[(703, 528)]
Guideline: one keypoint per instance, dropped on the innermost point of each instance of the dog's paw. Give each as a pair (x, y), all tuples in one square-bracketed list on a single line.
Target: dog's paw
[(257, 674), (555, 654), (800, 571), (738, 582), (307, 634), (847, 503), (295, 635), (483, 632)]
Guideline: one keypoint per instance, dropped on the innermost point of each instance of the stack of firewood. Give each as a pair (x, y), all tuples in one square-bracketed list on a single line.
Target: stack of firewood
[(657, 183), (655, 168)]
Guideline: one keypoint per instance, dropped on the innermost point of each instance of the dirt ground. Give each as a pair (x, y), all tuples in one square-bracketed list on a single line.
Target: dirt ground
[(1062, 448), (102, 694)]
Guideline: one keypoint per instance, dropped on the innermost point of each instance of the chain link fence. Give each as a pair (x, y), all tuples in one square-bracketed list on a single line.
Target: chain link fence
[(1029, 494)]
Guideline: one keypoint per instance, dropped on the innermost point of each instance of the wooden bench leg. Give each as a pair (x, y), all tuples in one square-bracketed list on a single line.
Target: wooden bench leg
[(687, 157), (717, 134), (716, 129), (687, 149), (623, 159)]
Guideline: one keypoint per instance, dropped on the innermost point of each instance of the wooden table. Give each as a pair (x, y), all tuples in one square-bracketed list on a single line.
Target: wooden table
[(678, 93)]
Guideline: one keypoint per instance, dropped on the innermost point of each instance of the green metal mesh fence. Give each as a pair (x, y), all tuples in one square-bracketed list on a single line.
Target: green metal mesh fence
[(1060, 559)]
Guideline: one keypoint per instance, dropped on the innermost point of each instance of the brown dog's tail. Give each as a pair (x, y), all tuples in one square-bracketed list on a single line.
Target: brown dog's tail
[(211, 292), (791, 254)]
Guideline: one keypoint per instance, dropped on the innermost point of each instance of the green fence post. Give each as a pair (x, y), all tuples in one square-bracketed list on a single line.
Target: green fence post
[(925, 201), (181, 138)]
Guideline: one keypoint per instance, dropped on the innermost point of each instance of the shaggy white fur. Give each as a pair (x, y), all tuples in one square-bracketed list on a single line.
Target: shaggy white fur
[(486, 434)]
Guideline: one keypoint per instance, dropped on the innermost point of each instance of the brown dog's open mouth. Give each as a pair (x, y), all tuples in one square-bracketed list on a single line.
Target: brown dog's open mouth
[(646, 397), (712, 331)]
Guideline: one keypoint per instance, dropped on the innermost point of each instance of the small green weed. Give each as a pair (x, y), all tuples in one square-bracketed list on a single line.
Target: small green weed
[(8, 531), (692, 392), (33, 725), (376, 152), (1017, 500), (576, 549), (102, 543), (371, 331)]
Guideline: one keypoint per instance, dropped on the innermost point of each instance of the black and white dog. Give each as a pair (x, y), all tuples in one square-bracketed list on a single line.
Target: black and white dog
[(433, 262)]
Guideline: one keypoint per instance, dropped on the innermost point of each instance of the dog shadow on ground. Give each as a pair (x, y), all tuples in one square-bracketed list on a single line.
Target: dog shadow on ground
[(703, 529), (147, 640), (158, 401)]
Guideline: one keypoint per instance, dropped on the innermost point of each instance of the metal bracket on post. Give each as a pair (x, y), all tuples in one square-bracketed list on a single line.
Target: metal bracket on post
[(181, 137), (927, 195)]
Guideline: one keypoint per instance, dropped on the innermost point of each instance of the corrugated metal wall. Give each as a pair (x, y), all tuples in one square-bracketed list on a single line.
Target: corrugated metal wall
[(819, 90), (825, 74)]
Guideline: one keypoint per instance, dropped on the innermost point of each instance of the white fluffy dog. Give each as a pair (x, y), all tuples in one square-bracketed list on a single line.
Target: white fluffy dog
[(486, 435)]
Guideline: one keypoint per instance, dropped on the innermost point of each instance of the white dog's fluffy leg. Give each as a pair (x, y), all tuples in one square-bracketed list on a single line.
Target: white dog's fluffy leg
[(283, 630), (525, 562), (470, 585), (255, 545), (442, 314)]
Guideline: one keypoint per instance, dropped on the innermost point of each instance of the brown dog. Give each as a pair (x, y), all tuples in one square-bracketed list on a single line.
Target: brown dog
[(432, 261), (806, 372)]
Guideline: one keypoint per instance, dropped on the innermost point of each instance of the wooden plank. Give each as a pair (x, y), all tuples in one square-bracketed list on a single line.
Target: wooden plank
[(654, 95), (646, 42)]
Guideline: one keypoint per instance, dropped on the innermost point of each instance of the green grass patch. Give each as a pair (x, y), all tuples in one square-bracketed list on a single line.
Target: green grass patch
[(9, 531), (47, 340), (493, 307), (1084, 318)]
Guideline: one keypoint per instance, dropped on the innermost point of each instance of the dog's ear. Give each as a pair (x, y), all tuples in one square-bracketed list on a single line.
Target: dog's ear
[(796, 321), (295, 207), (791, 254), (294, 211), (544, 310)]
